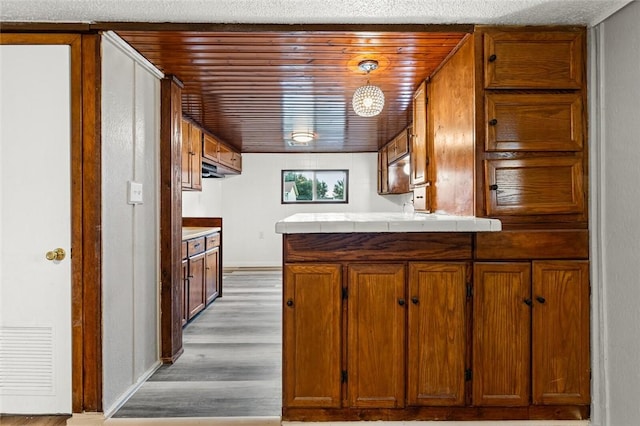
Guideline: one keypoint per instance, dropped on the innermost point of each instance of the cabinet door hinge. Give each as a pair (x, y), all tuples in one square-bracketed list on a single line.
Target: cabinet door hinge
[(345, 293), (344, 376), (467, 374), (469, 291)]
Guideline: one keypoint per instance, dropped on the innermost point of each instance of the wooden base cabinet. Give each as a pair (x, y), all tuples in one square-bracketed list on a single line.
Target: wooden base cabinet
[(376, 335), (312, 335), (531, 333), (430, 326), (437, 333)]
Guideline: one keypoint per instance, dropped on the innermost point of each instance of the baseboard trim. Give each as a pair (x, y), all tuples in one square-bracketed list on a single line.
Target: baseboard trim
[(232, 269), (131, 390), (198, 421)]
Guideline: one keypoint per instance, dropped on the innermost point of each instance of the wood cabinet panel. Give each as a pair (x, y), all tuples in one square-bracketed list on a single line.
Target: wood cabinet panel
[(548, 185), (419, 158), (210, 148), (229, 158), (312, 335), (212, 268), (501, 334), (191, 156), (436, 334), (377, 247), (451, 121), (533, 122), (186, 154), (398, 147), (376, 335), (561, 369), (383, 171), (533, 59), (538, 244), (184, 291), (196, 297)]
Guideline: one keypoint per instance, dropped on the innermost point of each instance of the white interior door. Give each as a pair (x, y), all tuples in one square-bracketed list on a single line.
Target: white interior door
[(35, 293)]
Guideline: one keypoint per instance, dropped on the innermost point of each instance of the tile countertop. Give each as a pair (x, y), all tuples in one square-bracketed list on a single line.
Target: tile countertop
[(189, 232), (311, 223)]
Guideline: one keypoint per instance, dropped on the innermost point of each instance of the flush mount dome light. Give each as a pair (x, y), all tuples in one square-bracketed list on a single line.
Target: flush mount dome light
[(368, 100), (302, 137)]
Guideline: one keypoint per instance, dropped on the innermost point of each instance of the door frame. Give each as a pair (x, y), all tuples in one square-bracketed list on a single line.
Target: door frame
[(86, 215)]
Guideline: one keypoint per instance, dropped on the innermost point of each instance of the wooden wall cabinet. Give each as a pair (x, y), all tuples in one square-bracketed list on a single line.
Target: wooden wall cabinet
[(392, 159), (531, 333), (229, 158), (419, 160), (534, 155), (191, 156), (521, 59), (217, 153)]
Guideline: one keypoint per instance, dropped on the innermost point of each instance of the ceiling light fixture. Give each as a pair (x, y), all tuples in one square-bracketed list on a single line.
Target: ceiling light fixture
[(302, 137), (368, 100)]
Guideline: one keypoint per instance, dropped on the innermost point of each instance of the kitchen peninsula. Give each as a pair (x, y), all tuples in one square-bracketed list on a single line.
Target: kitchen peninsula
[(389, 316)]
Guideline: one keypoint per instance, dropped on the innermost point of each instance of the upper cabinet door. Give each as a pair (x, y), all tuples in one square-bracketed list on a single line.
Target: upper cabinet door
[(545, 185), (186, 154), (419, 136), (533, 60), (533, 122)]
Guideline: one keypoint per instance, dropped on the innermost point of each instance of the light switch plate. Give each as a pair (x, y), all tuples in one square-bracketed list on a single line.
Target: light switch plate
[(134, 192)]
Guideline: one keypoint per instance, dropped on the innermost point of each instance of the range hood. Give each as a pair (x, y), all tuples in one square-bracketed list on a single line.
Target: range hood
[(210, 171)]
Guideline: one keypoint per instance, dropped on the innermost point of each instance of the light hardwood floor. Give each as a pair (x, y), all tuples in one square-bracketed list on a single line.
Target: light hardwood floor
[(33, 420), (231, 366)]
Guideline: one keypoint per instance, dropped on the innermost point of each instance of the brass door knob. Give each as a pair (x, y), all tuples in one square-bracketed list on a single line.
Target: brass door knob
[(56, 254)]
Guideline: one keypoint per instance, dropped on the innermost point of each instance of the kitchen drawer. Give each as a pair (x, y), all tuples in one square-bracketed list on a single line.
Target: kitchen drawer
[(195, 246), (184, 250), (213, 240)]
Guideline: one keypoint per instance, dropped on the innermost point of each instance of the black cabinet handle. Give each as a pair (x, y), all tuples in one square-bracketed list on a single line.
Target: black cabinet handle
[(492, 58), (493, 187), (401, 302), (289, 303), (528, 302), (541, 299), (415, 300), (493, 122), (420, 196)]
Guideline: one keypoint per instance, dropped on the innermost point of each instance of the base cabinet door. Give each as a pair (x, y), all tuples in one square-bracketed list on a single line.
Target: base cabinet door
[(212, 265), (312, 313), (376, 335), (437, 334), (501, 334), (185, 292), (560, 370), (196, 285)]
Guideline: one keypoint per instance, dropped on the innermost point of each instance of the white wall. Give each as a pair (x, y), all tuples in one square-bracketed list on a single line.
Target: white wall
[(249, 204), (130, 141), (617, 232)]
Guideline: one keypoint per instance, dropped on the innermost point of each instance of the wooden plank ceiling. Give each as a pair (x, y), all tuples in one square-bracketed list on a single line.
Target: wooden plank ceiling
[(252, 89)]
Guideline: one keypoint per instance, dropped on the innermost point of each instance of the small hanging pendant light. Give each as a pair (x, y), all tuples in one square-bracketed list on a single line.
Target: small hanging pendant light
[(368, 100)]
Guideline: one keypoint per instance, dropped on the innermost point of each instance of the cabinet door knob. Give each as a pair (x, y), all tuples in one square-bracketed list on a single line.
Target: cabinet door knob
[(541, 299), (528, 302), (415, 300), (493, 121), (290, 303), (401, 302), (493, 187), (493, 58)]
